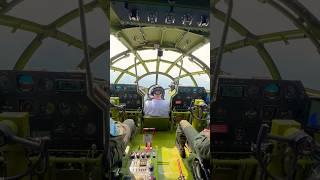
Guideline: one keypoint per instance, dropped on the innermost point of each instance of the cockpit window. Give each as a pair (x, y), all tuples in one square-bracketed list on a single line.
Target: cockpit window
[(193, 71), (270, 38)]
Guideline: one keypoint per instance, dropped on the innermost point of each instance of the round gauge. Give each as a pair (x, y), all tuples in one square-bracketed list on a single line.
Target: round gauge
[(25, 83), (272, 91), (82, 109), (291, 92), (46, 84), (26, 106), (253, 91), (90, 129), (194, 90), (64, 108), (4, 82)]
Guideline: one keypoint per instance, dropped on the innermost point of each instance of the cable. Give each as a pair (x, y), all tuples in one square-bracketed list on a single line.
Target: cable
[(43, 155), (261, 136)]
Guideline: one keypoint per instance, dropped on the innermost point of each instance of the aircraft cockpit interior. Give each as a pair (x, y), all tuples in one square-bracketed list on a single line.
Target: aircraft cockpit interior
[(159, 89), (159, 77)]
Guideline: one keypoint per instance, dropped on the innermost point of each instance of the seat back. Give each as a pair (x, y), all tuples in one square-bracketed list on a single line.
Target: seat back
[(160, 123)]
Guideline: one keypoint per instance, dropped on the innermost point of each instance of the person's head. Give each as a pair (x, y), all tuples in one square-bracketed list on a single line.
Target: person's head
[(157, 92)]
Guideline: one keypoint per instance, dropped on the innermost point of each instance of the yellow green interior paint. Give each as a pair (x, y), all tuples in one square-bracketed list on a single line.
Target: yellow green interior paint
[(166, 161)]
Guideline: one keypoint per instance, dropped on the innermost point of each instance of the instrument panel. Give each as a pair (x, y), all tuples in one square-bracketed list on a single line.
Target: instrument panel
[(58, 107), (182, 100), (242, 105), (127, 94)]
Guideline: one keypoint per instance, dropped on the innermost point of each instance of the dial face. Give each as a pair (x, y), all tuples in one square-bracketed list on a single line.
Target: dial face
[(4, 82), (25, 83), (64, 108), (82, 109), (194, 90), (291, 92), (272, 91)]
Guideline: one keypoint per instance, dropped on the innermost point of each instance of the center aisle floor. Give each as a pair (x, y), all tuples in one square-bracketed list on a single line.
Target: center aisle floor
[(166, 161)]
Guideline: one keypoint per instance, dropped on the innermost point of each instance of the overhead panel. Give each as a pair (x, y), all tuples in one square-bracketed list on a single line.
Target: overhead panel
[(171, 37), (152, 34), (133, 36), (188, 41)]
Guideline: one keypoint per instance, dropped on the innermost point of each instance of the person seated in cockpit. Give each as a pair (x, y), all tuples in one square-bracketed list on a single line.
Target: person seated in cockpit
[(157, 106), (198, 142)]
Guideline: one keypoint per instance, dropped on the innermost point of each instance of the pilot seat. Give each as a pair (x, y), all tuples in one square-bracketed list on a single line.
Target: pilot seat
[(156, 110)]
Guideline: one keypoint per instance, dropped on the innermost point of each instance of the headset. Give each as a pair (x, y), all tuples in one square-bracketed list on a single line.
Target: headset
[(157, 88)]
